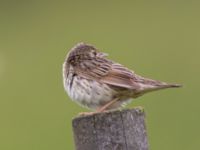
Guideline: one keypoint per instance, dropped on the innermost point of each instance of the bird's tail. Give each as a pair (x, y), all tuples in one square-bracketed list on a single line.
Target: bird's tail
[(148, 85), (164, 85)]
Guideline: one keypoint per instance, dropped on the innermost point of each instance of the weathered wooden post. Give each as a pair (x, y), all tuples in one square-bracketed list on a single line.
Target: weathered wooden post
[(116, 130)]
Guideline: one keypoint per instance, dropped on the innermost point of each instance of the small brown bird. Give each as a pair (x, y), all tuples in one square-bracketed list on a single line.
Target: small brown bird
[(94, 81)]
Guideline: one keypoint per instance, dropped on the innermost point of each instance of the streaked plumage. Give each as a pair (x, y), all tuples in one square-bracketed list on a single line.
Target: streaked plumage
[(92, 80)]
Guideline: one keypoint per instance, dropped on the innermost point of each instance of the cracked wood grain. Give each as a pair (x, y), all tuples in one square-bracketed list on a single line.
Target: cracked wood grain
[(116, 130)]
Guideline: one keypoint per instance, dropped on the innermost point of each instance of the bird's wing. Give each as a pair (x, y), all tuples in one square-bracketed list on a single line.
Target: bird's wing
[(106, 71), (120, 76)]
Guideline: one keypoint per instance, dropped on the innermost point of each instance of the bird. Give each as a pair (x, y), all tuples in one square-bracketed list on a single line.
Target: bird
[(100, 84)]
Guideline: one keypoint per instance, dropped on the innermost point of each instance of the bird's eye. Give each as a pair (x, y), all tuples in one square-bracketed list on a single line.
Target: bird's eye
[(77, 57), (92, 53)]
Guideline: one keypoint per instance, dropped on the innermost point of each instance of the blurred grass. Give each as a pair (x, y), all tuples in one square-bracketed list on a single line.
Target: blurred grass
[(156, 39)]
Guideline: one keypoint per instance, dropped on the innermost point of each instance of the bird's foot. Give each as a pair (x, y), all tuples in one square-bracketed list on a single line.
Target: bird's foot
[(92, 113), (87, 113)]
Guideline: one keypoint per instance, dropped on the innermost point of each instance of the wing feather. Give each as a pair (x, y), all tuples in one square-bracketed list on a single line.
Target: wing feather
[(106, 71)]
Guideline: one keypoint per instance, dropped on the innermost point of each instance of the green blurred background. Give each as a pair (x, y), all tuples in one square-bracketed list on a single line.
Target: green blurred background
[(160, 40)]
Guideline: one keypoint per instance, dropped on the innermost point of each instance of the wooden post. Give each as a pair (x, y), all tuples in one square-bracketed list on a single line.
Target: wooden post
[(115, 130)]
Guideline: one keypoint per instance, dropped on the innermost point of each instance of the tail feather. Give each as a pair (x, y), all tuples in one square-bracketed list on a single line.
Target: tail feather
[(152, 85), (172, 85), (160, 87), (164, 85), (148, 85)]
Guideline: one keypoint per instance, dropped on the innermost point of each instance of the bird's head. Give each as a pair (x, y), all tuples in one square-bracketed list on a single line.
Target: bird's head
[(83, 51)]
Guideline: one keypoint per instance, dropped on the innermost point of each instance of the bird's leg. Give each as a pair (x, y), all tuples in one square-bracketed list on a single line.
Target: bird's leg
[(104, 107), (100, 109)]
